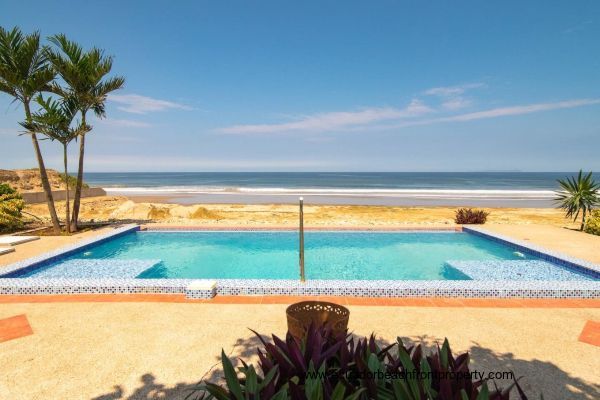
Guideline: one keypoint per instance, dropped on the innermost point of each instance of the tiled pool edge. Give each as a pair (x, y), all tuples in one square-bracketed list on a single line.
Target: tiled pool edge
[(205, 288), (462, 289)]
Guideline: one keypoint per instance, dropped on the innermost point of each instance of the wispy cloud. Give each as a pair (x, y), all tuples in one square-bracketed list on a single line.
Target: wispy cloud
[(335, 120), (450, 101), (137, 104), (456, 103), (126, 123), (524, 109), (447, 91), (495, 113), (453, 96)]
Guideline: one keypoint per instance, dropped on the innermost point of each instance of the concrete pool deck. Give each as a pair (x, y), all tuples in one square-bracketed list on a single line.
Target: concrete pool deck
[(47, 243), (568, 241), (142, 350)]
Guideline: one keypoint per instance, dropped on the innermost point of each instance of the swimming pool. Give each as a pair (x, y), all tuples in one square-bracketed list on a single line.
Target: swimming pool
[(200, 264), (336, 255)]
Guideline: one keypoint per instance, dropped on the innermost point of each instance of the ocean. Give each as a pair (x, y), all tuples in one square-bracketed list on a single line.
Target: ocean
[(492, 189)]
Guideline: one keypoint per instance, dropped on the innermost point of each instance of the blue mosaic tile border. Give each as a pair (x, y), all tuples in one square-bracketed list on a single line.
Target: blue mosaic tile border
[(105, 286), (376, 288), (91, 286), (572, 263), (381, 288), (266, 287)]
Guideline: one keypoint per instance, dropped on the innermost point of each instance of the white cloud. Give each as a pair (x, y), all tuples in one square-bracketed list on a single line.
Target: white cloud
[(448, 91), (126, 123), (452, 96), (525, 109), (334, 120), (456, 103), (136, 104), (494, 113)]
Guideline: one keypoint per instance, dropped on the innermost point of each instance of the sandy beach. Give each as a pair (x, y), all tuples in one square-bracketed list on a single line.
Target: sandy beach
[(152, 209)]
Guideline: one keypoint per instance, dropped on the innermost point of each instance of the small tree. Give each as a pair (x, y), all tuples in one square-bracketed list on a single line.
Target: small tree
[(55, 120), (11, 204), (578, 195), (24, 73), (85, 76)]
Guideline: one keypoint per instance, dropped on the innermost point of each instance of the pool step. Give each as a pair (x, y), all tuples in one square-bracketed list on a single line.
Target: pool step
[(514, 270), (96, 268)]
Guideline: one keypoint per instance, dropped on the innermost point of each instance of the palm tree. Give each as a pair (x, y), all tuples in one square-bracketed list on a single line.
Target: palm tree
[(54, 121), (84, 73), (578, 194), (24, 73)]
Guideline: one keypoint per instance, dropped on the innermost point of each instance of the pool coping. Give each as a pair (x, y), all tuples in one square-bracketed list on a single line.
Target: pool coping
[(207, 288)]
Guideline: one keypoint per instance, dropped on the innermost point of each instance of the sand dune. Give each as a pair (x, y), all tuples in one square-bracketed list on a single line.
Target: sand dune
[(122, 208)]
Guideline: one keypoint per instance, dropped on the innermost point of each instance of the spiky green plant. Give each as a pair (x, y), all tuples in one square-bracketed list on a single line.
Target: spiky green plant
[(25, 73), (55, 120), (333, 366), (86, 84), (578, 195)]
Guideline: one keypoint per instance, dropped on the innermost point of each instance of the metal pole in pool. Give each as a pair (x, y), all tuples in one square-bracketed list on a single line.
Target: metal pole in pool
[(302, 278)]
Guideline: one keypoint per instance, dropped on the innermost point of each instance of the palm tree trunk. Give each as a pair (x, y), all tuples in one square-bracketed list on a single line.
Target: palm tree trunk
[(77, 198), (43, 175), (67, 224), (582, 221)]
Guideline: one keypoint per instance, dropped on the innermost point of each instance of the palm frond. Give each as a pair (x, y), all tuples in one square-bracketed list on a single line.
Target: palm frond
[(55, 120), (84, 73), (24, 67)]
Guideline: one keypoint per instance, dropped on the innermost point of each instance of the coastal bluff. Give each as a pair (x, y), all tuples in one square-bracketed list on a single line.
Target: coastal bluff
[(29, 184), (29, 181)]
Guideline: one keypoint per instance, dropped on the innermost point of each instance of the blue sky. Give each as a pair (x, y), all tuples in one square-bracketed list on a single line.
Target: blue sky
[(332, 86)]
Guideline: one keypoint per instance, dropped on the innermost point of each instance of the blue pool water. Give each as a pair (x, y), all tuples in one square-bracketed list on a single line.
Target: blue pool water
[(274, 255)]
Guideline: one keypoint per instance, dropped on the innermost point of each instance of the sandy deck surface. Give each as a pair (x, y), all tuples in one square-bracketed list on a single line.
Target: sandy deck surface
[(157, 350), (568, 241)]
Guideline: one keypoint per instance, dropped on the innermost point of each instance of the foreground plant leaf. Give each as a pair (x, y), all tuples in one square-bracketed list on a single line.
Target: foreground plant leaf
[(338, 367)]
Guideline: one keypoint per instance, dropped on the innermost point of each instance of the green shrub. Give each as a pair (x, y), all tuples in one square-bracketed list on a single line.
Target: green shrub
[(72, 181), (11, 204), (592, 225), (470, 216)]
